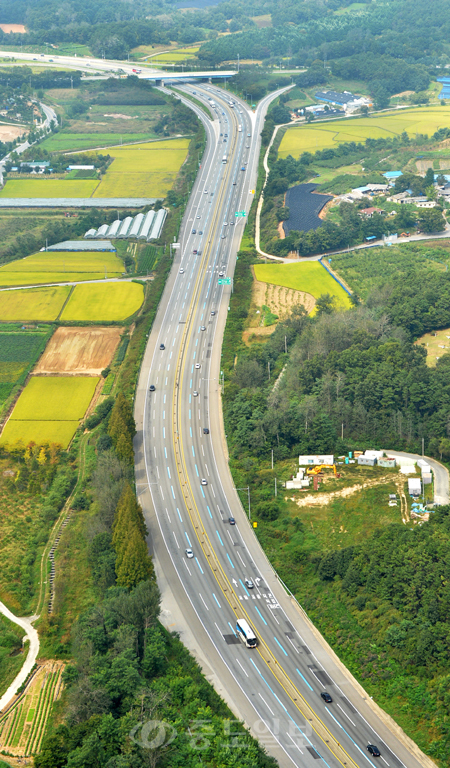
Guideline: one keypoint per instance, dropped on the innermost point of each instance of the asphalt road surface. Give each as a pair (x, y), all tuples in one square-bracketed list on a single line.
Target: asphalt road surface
[(187, 494)]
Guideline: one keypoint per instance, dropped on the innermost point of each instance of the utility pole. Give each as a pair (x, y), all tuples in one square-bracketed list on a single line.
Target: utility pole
[(276, 493), (423, 446), (272, 458), (285, 345), (342, 431)]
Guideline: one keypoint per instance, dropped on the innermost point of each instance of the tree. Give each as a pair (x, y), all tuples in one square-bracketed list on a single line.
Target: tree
[(429, 178), (432, 220), (135, 565), (325, 304), (280, 114)]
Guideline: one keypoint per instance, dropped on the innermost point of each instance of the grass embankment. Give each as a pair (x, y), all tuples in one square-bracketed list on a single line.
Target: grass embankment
[(310, 278), (300, 139)]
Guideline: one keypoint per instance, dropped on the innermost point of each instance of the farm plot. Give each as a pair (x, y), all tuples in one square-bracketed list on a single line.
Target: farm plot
[(23, 726), (301, 139), (18, 351), (103, 302), (48, 188), (145, 170), (61, 142), (49, 410), (79, 351), (55, 266), (310, 277), (33, 305), (437, 344)]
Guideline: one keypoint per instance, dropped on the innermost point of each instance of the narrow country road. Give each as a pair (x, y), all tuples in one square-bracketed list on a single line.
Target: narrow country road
[(33, 650)]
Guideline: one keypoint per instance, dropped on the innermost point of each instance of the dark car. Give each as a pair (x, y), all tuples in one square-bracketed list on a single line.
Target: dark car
[(326, 697), (374, 751), (161, 346), (232, 521), (205, 431), (243, 168), (195, 252), (152, 387), (194, 231)]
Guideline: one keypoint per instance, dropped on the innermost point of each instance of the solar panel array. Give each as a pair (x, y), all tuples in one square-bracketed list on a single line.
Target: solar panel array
[(304, 208)]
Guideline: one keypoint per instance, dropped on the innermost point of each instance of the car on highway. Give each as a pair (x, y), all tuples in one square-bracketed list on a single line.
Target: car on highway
[(195, 393), (203, 481), (198, 216), (373, 750), (200, 232), (195, 252), (232, 521), (205, 431), (221, 134), (225, 134), (326, 697), (205, 191), (213, 313), (203, 327), (152, 388), (243, 168), (162, 346), (181, 271), (249, 583), (224, 139), (247, 146), (194, 231), (231, 223), (189, 553), (197, 365), (221, 274), (249, 134), (225, 223), (223, 237)]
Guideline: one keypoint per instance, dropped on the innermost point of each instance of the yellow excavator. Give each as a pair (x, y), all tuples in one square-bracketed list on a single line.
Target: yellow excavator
[(317, 470)]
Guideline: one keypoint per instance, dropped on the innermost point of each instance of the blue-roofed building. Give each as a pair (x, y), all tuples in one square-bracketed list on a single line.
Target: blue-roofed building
[(392, 174)]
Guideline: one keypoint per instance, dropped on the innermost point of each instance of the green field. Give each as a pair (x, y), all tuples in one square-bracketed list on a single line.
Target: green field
[(310, 277), (58, 267), (18, 351), (55, 398), (34, 305), (328, 134), (103, 302), (48, 188), (60, 142), (145, 170)]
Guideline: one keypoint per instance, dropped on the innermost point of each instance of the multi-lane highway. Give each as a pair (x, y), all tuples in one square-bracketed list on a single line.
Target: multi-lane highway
[(187, 494)]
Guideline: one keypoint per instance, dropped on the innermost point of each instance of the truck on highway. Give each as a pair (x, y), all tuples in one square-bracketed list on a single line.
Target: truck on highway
[(239, 128), (224, 159), (137, 71)]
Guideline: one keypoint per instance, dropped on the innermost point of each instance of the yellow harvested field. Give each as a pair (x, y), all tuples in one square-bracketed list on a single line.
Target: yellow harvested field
[(60, 267), (300, 139), (55, 398), (103, 302), (32, 305), (49, 188), (143, 170), (310, 277), (39, 432)]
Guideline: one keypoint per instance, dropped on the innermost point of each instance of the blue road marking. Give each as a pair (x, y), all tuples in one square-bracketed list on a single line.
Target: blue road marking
[(280, 645), (305, 680), (190, 400), (243, 587), (265, 622), (203, 493), (168, 472), (195, 465), (215, 598), (164, 414), (190, 384), (190, 428), (219, 537), (173, 494), (189, 413), (347, 734), (201, 569), (232, 629), (209, 511), (193, 452), (164, 433), (187, 539), (179, 515), (165, 452), (229, 558)]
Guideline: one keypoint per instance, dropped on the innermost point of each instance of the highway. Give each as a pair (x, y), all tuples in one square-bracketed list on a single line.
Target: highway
[(187, 494)]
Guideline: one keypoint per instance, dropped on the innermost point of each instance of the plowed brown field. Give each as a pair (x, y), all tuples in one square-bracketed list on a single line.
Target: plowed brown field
[(79, 351)]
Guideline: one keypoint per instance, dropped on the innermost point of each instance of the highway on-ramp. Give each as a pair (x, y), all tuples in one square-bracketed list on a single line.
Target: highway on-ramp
[(188, 497)]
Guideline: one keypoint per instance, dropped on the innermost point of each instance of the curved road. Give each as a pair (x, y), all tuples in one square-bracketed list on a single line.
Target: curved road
[(187, 494)]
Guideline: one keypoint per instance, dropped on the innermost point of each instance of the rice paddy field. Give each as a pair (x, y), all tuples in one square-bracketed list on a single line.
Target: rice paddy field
[(103, 302), (33, 305), (59, 267), (61, 142), (310, 277), (143, 170), (19, 349), (49, 409), (48, 188), (300, 139)]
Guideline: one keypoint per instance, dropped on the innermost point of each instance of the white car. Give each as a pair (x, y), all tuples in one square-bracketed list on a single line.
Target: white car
[(195, 393), (249, 583), (181, 271), (221, 274), (189, 553), (203, 327), (203, 481), (197, 365), (198, 216)]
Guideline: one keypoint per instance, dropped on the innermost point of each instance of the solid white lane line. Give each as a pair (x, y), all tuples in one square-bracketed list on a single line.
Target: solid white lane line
[(244, 671), (265, 702)]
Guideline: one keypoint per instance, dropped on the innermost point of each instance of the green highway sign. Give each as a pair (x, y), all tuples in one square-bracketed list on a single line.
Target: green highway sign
[(225, 281), (240, 213)]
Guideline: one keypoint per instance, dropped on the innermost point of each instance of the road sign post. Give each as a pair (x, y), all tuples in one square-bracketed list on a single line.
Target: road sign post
[(224, 281)]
